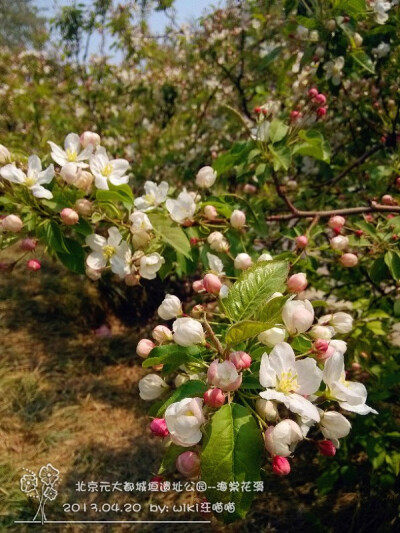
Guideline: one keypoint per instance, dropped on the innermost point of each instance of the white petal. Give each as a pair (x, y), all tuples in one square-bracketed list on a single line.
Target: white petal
[(58, 155), (308, 376), (303, 407), (120, 166), (267, 373), (282, 358), (96, 260), (333, 369), (40, 192), (361, 409), (100, 181), (86, 153), (96, 242), (13, 174), (34, 165), (114, 236), (72, 143), (118, 180), (46, 176)]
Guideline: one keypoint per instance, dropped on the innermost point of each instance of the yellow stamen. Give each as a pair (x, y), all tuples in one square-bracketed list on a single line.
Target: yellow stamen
[(71, 155), (29, 182), (107, 170), (108, 251), (287, 382)]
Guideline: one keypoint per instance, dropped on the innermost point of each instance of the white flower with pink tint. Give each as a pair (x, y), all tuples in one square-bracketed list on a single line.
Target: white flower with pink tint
[(282, 438), (184, 420), (224, 375)]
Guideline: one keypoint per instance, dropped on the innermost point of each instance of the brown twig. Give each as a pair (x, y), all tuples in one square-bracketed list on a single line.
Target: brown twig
[(214, 338), (373, 208)]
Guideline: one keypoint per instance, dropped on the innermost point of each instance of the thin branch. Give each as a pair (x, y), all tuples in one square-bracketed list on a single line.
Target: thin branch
[(214, 338), (373, 208)]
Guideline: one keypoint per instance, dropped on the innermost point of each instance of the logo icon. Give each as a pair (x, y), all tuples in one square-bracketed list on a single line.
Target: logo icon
[(42, 486)]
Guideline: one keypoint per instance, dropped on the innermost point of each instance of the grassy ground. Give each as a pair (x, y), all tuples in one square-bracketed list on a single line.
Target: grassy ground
[(69, 397)]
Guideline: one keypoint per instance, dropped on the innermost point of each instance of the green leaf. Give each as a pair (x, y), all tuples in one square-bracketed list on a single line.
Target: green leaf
[(272, 310), (244, 330), (74, 259), (363, 60), (171, 356), (314, 145), (379, 271), (121, 194), (392, 260), (353, 8), (290, 5), (190, 389), (233, 451), (254, 287), (277, 131), (124, 191), (270, 58), (307, 22), (170, 233), (281, 157)]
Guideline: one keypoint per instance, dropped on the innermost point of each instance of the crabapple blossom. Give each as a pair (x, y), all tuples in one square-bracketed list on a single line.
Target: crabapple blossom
[(72, 152), (380, 8), (214, 397), (84, 181), (212, 283), (272, 336), (170, 307), (188, 464), (33, 264), (93, 274), (241, 360), (334, 426), (112, 250), (152, 387), (155, 196), (140, 222), (350, 395), (338, 345), (238, 219), (144, 348), (249, 188), (198, 286), (298, 316), (280, 466), (337, 222), (381, 50), (162, 334), (182, 209), (34, 179), (206, 177), (224, 375), (340, 242), (210, 212), (341, 322), (12, 223), (288, 381), (150, 265), (334, 69), (297, 282), (107, 170), (69, 217), (158, 427), (187, 332), (70, 173), (282, 438), (184, 420), (84, 207), (321, 332), (267, 409), (243, 261), (89, 137), (218, 242)]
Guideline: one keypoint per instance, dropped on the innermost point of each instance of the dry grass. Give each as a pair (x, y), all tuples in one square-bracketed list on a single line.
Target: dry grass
[(70, 398)]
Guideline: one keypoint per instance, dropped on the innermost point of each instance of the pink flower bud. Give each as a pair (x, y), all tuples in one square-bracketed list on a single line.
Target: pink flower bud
[(297, 282), (69, 216), (27, 245), (301, 241), (89, 137), (198, 311), (349, 260), (162, 334), (214, 398), (324, 356), (212, 283), (188, 464), (321, 111), (243, 261), (326, 448), (158, 426), (249, 189), (312, 93), (12, 223), (198, 285), (280, 466), (144, 347), (336, 222), (224, 375), (320, 99), (238, 219), (387, 199), (103, 331), (83, 207), (294, 115), (321, 345), (33, 264), (241, 360), (210, 212)]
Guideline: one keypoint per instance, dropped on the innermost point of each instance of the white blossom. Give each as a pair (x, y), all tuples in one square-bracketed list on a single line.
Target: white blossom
[(34, 179), (155, 196), (112, 250), (107, 170), (181, 209), (184, 420), (72, 152)]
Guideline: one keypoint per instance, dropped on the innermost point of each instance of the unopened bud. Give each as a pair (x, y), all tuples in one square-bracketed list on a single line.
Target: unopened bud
[(144, 347), (349, 260), (212, 283), (241, 360), (69, 217), (280, 466), (326, 448), (297, 282), (214, 398), (188, 464), (12, 223), (33, 264)]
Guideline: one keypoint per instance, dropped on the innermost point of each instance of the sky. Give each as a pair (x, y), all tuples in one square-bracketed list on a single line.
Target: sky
[(187, 11)]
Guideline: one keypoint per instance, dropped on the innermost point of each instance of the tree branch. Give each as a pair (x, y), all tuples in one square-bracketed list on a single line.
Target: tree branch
[(373, 208)]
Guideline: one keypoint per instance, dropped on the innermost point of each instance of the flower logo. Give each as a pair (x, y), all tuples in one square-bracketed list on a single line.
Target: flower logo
[(47, 477)]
